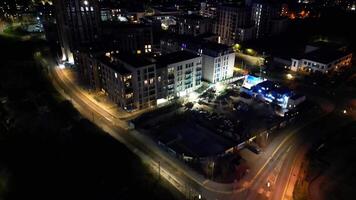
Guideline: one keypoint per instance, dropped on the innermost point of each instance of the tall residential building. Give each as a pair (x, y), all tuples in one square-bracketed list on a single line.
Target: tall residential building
[(128, 38), (208, 9), (230, 19), (78, 24), (262, 16), (194, 25)]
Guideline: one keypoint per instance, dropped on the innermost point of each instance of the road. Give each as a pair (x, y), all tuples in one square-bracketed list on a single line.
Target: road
[(282, 152)]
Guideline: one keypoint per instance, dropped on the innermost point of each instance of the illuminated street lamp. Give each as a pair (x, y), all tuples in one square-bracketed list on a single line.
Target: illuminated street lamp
[(237, 47), (250, 51), (289, 76)]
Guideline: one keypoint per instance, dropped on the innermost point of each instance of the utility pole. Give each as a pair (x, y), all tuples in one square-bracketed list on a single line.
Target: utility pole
[(212, 172), (159, 170)]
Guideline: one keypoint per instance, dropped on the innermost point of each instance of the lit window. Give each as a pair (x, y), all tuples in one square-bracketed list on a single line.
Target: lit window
[(115, 75), (146, 82), (138, 51), (129, 95)]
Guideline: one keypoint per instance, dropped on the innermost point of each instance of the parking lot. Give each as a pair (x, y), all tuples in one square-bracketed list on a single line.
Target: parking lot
[(212, 127)]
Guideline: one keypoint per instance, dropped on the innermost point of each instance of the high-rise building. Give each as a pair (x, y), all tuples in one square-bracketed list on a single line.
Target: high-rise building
[(78, 24), (207, 9), (262, 15), (194, 25), (230, 18), (128, 38)]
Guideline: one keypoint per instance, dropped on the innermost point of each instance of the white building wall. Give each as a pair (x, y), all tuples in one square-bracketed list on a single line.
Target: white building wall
[(208, 68), (216, 69), (185, 78)]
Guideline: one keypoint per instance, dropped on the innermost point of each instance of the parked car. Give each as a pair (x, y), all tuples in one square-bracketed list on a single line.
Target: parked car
[(254, 148)]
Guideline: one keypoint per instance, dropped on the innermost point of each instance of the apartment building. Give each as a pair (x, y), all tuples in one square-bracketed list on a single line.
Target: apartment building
[(78, 24), (139, 81), (181, 74), (194, 25), (218, 60), (231, 19)]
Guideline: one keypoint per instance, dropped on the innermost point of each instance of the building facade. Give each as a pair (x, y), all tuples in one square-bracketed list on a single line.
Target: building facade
[(139, 81), (182, 73), (128, 38), (78, 23), (262, 15), (322, 60), (229, 19), (218, 60), (218, 64), (194, 25)]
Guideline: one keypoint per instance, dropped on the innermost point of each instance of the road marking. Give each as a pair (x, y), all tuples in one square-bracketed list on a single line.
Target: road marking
[(289, 176), (274, 152)]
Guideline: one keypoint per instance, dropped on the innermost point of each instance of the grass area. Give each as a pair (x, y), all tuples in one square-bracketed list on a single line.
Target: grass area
[(48, 151), (15, 31)]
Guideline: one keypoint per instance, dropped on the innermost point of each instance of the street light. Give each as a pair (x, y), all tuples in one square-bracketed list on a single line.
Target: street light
[(289, 76), (250, 51)]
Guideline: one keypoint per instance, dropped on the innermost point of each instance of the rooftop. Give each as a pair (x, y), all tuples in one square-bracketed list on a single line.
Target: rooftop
[(113, 65), (325, 56), (176, 57), (134, 60), (269, 85), (215, 46)]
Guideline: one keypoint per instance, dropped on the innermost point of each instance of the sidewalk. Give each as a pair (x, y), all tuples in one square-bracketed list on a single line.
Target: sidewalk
[(101, 100)]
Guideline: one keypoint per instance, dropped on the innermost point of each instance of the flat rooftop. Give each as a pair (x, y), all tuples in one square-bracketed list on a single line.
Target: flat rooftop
[(134, 60), (215, 46), (325, 56), (191, 139), (113, 65), (176, 57)]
